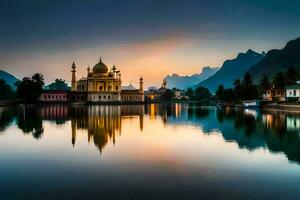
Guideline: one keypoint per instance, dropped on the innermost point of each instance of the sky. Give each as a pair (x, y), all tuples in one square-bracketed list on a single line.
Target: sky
[(149, 38)]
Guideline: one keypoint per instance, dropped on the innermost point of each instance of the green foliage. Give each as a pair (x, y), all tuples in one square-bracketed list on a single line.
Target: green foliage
[(30, 89), (6, 91)]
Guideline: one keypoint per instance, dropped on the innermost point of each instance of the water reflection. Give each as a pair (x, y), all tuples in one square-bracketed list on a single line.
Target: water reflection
[(250, 129)]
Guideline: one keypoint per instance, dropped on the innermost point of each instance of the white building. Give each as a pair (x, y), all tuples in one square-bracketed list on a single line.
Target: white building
[(292, 92)]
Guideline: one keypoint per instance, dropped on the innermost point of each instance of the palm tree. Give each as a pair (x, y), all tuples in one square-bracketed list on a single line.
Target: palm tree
[(247, 80), (279, 81), (264, 83), (38, 79)]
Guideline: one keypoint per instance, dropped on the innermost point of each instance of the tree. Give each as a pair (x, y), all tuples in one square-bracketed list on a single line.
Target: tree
[(30, 89), (190, 93), (247, 80), (237, 89), (264, 83), (220, 92), (168, 95), (38, 79), (202, 93), (292, 76), (5, 90), (279, 81), (248, 91)]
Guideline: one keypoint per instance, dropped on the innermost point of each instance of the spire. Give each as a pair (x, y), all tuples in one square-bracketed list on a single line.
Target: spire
[(114, 68), (88, 70), (141, 84), (73, 65), (73, 81)]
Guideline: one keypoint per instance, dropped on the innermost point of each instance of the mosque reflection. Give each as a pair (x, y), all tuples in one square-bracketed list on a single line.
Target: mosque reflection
[(102, 123), (277, 131)]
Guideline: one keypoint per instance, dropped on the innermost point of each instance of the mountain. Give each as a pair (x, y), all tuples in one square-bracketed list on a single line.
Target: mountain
[(183, 82), (9, 79), (277, 60), (232, 70)]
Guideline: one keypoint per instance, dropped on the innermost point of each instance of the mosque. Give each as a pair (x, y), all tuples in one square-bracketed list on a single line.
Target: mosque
[(102, 84)]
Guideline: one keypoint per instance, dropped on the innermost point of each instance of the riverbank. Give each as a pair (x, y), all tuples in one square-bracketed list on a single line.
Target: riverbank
[(283, 106), (15, 103)]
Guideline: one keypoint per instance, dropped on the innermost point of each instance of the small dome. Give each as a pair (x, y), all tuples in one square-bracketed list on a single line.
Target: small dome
[(100, 68)]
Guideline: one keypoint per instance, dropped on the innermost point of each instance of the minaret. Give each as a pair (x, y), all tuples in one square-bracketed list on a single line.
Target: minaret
[(73, 82), (141, 85), (164, 85), (88, 71)]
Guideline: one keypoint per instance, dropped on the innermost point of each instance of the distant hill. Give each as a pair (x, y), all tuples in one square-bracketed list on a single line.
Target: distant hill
[(183, 82), (59, 84), (277, 60), (9, 79), (232, 70)]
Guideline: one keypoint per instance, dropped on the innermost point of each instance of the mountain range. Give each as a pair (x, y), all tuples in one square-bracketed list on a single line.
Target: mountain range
[(183, 82), (8, 78), (232, 70), (277, 61)]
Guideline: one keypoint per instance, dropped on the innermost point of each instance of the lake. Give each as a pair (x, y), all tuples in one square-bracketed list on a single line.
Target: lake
[(155, 151)]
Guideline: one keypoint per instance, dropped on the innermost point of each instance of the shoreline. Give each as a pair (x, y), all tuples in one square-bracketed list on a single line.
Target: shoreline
[(5, 104)]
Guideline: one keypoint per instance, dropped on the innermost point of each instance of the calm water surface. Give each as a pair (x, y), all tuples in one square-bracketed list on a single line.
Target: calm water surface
[(173, 151)]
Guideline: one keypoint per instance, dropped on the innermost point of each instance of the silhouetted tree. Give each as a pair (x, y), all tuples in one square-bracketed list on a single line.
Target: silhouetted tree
[(31, 89), (247, 80), (220, 92), (279, 81), (264, 84), (292, 76), (201, 93), (249, 91), (237, 89), (168, 95), (190, 93)]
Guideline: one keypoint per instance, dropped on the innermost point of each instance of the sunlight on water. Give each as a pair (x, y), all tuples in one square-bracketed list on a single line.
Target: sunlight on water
[(153, 151)]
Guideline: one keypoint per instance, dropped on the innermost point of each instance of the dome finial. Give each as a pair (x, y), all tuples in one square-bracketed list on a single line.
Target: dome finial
[(100, 59)]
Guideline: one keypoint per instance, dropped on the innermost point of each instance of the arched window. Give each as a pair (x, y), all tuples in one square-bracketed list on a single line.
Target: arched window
[(104, 97), (294, 92), (100, 88), (99, 97), (117, 87), (108, 97)]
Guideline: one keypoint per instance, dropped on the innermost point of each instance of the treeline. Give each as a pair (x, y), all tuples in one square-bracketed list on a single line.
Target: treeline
[(246, 90), (29, 89)]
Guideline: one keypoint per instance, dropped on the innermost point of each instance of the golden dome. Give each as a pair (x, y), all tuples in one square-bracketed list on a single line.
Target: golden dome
[(100, 68)]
